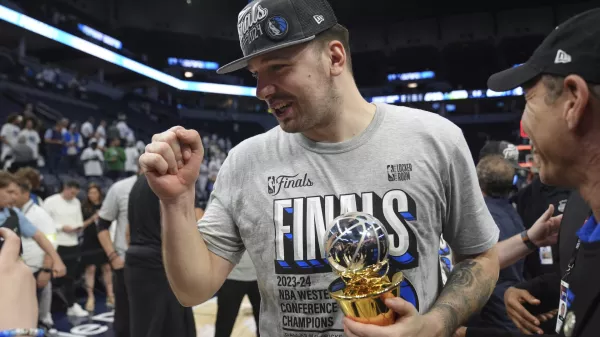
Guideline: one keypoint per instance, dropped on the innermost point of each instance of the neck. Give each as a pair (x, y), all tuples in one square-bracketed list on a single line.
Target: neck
[(351, 116), (590, 186)]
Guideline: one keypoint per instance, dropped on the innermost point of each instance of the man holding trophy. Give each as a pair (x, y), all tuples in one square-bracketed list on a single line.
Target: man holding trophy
[(287, 196)]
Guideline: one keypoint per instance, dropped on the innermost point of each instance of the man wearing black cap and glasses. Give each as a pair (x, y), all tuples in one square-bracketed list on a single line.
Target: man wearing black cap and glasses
[(332, 153), (562, 118)]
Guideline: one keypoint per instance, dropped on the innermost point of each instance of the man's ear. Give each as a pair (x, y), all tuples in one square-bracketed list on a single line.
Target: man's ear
[(575, 105), (337, 57)]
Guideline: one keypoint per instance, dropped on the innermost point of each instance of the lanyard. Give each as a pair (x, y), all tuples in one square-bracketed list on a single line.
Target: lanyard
[(28, 208), (572, 261)]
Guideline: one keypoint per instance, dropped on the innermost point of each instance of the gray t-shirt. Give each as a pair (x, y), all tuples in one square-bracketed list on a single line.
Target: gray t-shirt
[(244, 270), (114, 207), (276, 193)]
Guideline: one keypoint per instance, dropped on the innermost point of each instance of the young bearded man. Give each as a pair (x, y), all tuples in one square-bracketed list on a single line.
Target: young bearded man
[(333, 152)]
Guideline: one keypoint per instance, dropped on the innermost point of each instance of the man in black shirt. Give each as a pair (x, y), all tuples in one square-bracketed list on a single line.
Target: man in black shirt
[(154, 309), (532, 201)]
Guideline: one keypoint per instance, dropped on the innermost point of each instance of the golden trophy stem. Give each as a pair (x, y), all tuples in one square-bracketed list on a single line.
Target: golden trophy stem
[(362, 295)]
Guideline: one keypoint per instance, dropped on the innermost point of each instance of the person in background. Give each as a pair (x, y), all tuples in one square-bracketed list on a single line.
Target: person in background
[(531, 201), (101, 130), (39, 262), (115, 159), (29, 112), (9, 135), (12, 218), (113, 131), (93, 160), (132, 156), (241, 281), (114, 208), (22, 155), (153, 301), (34, 178), (53, 138), (495, 174), (65, 210), (32, 137), (141, 147), (73, 144), (87, 130), (92, 255)]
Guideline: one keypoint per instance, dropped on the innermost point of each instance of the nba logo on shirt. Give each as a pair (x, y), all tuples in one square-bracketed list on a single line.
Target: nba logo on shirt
[(271, 185)]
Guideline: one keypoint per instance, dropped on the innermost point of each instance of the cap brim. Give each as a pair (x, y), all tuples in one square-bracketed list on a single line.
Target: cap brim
[(512, 78), (243, 62)]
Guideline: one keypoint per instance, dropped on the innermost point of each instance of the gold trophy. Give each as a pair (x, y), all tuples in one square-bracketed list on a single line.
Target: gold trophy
[(356, 247)]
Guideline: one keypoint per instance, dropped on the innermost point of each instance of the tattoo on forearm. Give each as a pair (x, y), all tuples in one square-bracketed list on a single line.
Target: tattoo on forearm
[(467, 290)]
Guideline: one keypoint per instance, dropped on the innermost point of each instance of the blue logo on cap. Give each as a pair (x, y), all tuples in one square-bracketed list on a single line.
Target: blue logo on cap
[(276, 27)]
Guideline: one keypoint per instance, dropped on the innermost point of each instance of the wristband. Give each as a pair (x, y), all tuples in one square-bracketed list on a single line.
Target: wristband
[(22, 332), (46, 270), (527, 241)]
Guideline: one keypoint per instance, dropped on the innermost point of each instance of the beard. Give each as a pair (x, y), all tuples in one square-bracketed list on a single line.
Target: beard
[(314, 110)]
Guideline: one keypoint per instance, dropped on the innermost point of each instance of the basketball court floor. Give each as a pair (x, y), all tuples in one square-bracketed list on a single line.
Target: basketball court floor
[(100, 324)]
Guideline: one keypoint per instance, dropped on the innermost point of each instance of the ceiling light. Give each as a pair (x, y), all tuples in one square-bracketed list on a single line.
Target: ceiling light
[(413, 85), (188, 74)]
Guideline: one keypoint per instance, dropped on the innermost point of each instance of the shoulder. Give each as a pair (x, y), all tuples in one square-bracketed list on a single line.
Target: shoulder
[(420, 121), (51, 199), (255, 147), (125, 185)]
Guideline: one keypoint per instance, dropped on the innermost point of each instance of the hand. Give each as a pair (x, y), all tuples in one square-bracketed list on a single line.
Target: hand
[(18, 303), (408, 323), (547, 316), (460, 332), (544, 231), (58, 268), (523, 319), (117, 263), (172, 162), (42, 279)]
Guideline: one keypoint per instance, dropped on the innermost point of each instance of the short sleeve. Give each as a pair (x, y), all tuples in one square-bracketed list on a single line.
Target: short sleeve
[(48, 134), (5, 131), (217, 226), (27, 228), (110, 205), (469, 228)]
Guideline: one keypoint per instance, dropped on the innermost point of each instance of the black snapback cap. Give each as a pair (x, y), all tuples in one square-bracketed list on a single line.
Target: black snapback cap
[(268, 25), (572, 48)]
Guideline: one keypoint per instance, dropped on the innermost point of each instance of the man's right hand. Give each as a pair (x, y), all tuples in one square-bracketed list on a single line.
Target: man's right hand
[(117, 263), (523, 319), (172, 162)]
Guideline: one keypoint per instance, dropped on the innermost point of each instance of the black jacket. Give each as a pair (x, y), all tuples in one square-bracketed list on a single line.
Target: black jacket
[(532, 201), (585, 287)]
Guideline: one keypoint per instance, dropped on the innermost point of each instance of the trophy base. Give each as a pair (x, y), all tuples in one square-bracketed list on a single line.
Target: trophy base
[(368, 308)]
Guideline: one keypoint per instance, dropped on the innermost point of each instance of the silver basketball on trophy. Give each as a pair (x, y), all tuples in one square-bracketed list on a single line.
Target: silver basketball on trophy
[(356, 242)]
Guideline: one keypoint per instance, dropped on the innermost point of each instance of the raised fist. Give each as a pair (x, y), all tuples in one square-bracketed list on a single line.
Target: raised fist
[(172, 162)]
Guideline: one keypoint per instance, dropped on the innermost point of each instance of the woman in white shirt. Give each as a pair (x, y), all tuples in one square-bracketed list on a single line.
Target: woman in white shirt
[(65, 210)]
